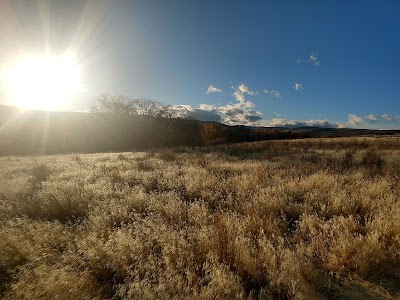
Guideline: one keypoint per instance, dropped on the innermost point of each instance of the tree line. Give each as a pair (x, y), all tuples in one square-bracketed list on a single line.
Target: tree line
[(126, 105), (116, 123)]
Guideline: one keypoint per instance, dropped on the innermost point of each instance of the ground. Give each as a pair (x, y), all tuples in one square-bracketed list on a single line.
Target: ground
[(299, 219)]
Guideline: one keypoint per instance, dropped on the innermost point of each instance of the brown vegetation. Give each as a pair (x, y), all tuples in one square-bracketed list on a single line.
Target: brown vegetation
[(298, 219)]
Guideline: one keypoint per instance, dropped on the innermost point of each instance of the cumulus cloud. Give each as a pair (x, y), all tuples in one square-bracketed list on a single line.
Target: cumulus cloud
[(372, 118), (298, 87), (273, 93), (242, 113), (354, 120), (239, 113), (203, 113), (280, 122), (239, 96), (208, 107), (245, 90), (387, 118), (245, 114), (241, 90), (213, 89)]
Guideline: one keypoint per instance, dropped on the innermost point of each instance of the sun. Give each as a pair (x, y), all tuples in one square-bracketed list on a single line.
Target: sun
[(42, 82)]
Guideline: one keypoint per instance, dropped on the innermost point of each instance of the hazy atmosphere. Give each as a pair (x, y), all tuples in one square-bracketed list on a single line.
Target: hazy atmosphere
[(200, 150), (261, 63)]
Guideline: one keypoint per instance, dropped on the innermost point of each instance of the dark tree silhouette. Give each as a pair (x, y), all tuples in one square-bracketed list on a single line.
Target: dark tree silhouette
[(113, 104), (126, 105)]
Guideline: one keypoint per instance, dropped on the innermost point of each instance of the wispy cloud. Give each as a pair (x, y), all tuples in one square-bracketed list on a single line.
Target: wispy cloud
[(298, 87), (387, 118), (354, 120), (312, 59), (372, 118), (273, 93), (213, 89)]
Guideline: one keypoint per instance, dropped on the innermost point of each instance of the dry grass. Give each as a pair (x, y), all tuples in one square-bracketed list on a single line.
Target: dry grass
[(301, 219)]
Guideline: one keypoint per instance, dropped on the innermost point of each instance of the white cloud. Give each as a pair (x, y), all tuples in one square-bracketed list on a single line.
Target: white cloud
[(354, 120), (213, 89), (242, 112), (280, 122), (372, 118), (239, 113), (312, 59), (208, 107), (387, 118), (273, 93), (298, 87), (276, 93), (182, 107), (240, 92), (245, 90), (239, 96), (201, 113)]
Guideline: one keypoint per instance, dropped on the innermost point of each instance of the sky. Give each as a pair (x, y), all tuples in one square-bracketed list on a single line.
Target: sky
[(332, 63)]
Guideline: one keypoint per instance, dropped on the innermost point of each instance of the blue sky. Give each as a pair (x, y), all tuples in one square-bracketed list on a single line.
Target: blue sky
[(327, 63)]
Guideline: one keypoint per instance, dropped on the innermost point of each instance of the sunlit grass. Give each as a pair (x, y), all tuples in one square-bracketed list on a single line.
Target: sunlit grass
[(301, 219)]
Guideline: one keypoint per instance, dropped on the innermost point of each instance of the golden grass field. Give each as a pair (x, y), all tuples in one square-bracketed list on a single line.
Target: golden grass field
[(299, 219)]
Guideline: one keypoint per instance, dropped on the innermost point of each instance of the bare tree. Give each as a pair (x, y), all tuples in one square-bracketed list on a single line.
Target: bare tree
[(120, 104), (113, 104), (166, 111)]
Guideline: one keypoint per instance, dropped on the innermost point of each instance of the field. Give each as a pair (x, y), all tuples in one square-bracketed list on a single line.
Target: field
[(298, 219)]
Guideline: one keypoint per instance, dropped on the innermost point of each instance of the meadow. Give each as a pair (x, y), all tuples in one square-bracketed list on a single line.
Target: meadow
[(289, 219)]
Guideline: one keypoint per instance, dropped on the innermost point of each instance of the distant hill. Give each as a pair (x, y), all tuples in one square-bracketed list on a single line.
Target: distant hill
[(34, 132), (24, 132), (337, 132)]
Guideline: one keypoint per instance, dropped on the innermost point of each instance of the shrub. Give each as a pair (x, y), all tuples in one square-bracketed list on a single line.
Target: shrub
[(373, 162), (39, 173)]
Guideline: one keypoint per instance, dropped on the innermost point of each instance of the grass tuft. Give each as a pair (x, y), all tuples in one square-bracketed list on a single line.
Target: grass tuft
[(295, 219)]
